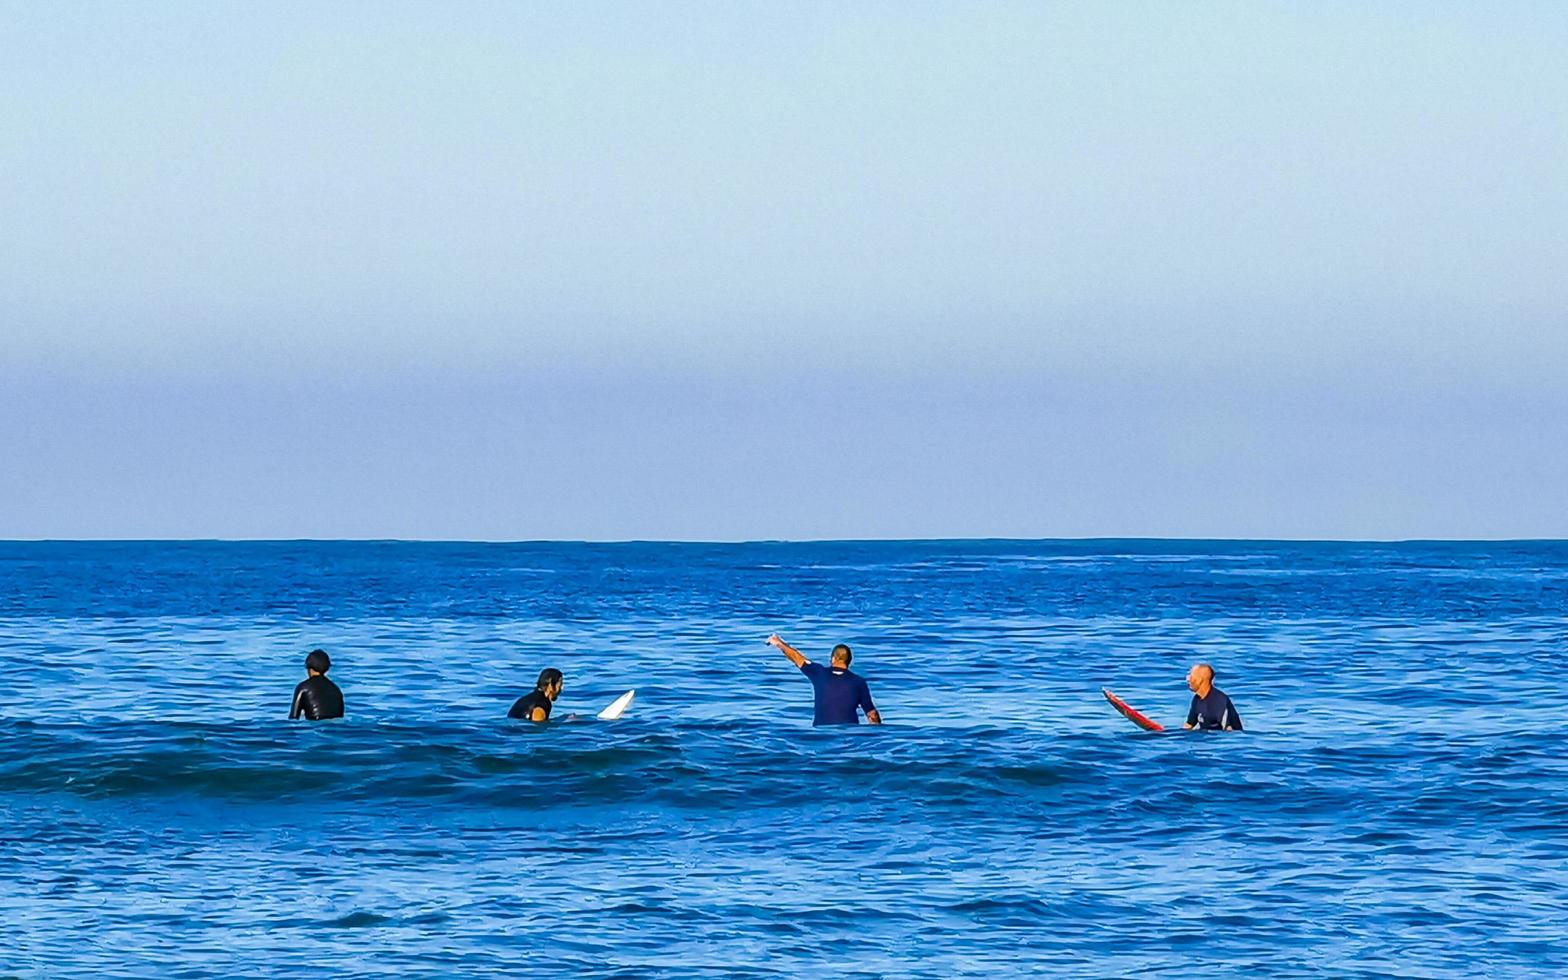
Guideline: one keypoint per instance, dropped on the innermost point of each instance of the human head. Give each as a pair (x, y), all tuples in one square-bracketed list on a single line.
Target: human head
[(550, 682), (317, 662), (1200, 678), (842, 655)]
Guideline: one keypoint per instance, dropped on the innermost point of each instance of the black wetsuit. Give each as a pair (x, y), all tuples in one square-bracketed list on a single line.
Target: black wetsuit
[(317, 698), (1213, 713), (524, 708)]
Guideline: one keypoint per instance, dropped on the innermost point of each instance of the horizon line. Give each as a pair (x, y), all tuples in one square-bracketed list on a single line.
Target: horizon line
[(1087, 539)]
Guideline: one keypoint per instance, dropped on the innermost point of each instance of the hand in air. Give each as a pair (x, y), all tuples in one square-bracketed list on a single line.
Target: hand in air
[(776, 641)]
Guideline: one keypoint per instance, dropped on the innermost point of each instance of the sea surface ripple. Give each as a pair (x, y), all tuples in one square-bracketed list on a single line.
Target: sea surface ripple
[(1397, 808)]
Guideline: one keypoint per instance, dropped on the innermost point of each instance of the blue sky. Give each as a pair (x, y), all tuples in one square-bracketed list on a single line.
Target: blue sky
[(740, 270)]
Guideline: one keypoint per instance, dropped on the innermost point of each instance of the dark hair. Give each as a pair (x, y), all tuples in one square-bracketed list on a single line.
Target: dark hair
[(549, 677), (318, 661), (848, 656)]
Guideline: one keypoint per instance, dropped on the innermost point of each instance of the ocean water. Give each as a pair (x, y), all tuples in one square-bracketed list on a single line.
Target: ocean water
[(1397, 807)]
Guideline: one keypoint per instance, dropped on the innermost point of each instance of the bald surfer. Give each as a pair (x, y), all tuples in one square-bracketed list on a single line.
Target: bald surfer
[(316, 697), (1211, 710), (839, 693)]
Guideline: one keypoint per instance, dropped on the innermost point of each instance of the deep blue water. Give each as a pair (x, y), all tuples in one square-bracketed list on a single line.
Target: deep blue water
[(1398, 807)]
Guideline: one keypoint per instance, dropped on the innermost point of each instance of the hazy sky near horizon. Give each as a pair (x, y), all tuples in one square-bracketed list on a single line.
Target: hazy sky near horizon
[(750, 270)]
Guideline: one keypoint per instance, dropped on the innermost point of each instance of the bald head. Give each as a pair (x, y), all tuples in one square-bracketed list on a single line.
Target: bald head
[(842, 656), (1201, 679)]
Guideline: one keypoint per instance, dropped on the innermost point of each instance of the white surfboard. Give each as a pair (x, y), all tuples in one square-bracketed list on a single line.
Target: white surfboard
[(618, 706)]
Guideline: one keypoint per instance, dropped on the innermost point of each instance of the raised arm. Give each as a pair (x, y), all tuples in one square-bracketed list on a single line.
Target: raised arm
[(795, 656)]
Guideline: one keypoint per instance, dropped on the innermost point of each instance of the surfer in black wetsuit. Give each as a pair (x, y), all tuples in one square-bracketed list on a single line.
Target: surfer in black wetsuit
[(316, 697), (1211, 709), (536, 704)]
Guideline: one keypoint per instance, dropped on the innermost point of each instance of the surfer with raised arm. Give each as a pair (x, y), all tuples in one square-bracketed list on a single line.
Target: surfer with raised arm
[(536, 704), (839, 693), (316, 697), (1211, 709)]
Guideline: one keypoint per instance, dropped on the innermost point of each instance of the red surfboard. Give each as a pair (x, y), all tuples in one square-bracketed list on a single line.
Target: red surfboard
[(1132, 714)]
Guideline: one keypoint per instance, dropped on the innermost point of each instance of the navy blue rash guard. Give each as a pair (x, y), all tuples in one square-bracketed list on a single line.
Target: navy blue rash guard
[(839, 692), (1213, 713)]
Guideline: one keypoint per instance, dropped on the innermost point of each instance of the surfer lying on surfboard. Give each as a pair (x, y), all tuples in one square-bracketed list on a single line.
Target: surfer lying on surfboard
[(537, 704), (839, 693)]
